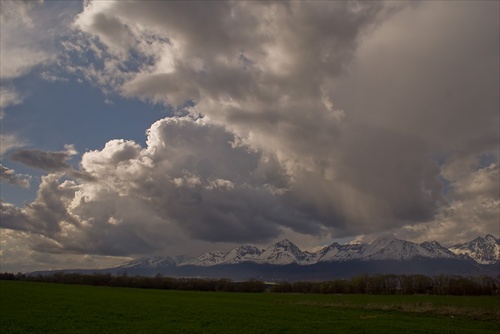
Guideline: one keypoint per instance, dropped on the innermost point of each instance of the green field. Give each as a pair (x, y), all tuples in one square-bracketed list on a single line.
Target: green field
[(28, 307)]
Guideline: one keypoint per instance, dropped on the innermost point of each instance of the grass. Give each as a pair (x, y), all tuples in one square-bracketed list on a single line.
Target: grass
[(28, 307)]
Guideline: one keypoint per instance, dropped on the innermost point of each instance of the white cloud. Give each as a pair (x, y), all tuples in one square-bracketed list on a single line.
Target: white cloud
[(483, 181), (190, 181), (9, 141), (9, 96), (18, 61), (18, 11), (21, 47)]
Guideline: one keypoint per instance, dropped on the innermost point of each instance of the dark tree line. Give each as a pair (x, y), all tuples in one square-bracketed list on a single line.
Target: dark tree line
[(157, 282), (362, 284), (398, 284)]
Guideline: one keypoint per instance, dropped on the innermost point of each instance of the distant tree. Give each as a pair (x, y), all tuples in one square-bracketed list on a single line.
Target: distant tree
[(7, 276), (377, 284), (358, 284), (252, 285), (282, 287)]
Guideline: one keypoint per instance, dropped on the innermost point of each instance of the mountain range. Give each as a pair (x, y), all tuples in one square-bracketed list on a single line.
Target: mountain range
[(285, 261), (483, 250)]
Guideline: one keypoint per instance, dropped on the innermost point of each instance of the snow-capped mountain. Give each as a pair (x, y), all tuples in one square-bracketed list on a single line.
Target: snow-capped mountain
[(148, 262), (435, 249), (179, 259), (283, 252), (390, 249), (397, 249), (336, 252), (241, 254), (285, 261), (207, 259), (384, 249), (483, 250)]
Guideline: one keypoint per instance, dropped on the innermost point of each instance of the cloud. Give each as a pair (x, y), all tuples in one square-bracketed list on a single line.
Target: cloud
[(18, 11), (17, 256), (9, 141), (30, 34), (434, 84), (331, 119), (21, 48), (191, 180), (354, 104), (50, 161), (10, 176), (44, 215), (8, 97), (44, 160), (13, 218), (247, 49)]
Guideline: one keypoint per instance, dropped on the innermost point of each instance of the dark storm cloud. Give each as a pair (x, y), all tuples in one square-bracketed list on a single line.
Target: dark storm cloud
[(44, 160), (435, 86), (12, 217), (51, 162)]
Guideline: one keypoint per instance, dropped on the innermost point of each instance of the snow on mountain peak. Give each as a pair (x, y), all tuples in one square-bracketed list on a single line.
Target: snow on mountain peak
[(436, 250), (285, 243), (148, 262), (483, 250), (387, 248), (283, 252), (241, 254), (179, 259), (384, 248), (207, 259)]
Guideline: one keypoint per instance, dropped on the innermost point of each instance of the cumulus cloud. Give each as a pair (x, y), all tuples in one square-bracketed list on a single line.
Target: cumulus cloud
[(191, 179), (331, 119)]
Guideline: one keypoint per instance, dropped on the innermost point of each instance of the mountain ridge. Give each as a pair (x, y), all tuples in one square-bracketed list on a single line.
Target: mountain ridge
[(286, 261), (482, 250)]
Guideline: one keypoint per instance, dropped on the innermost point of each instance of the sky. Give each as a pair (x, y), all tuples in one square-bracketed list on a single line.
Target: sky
[(141, 128)]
